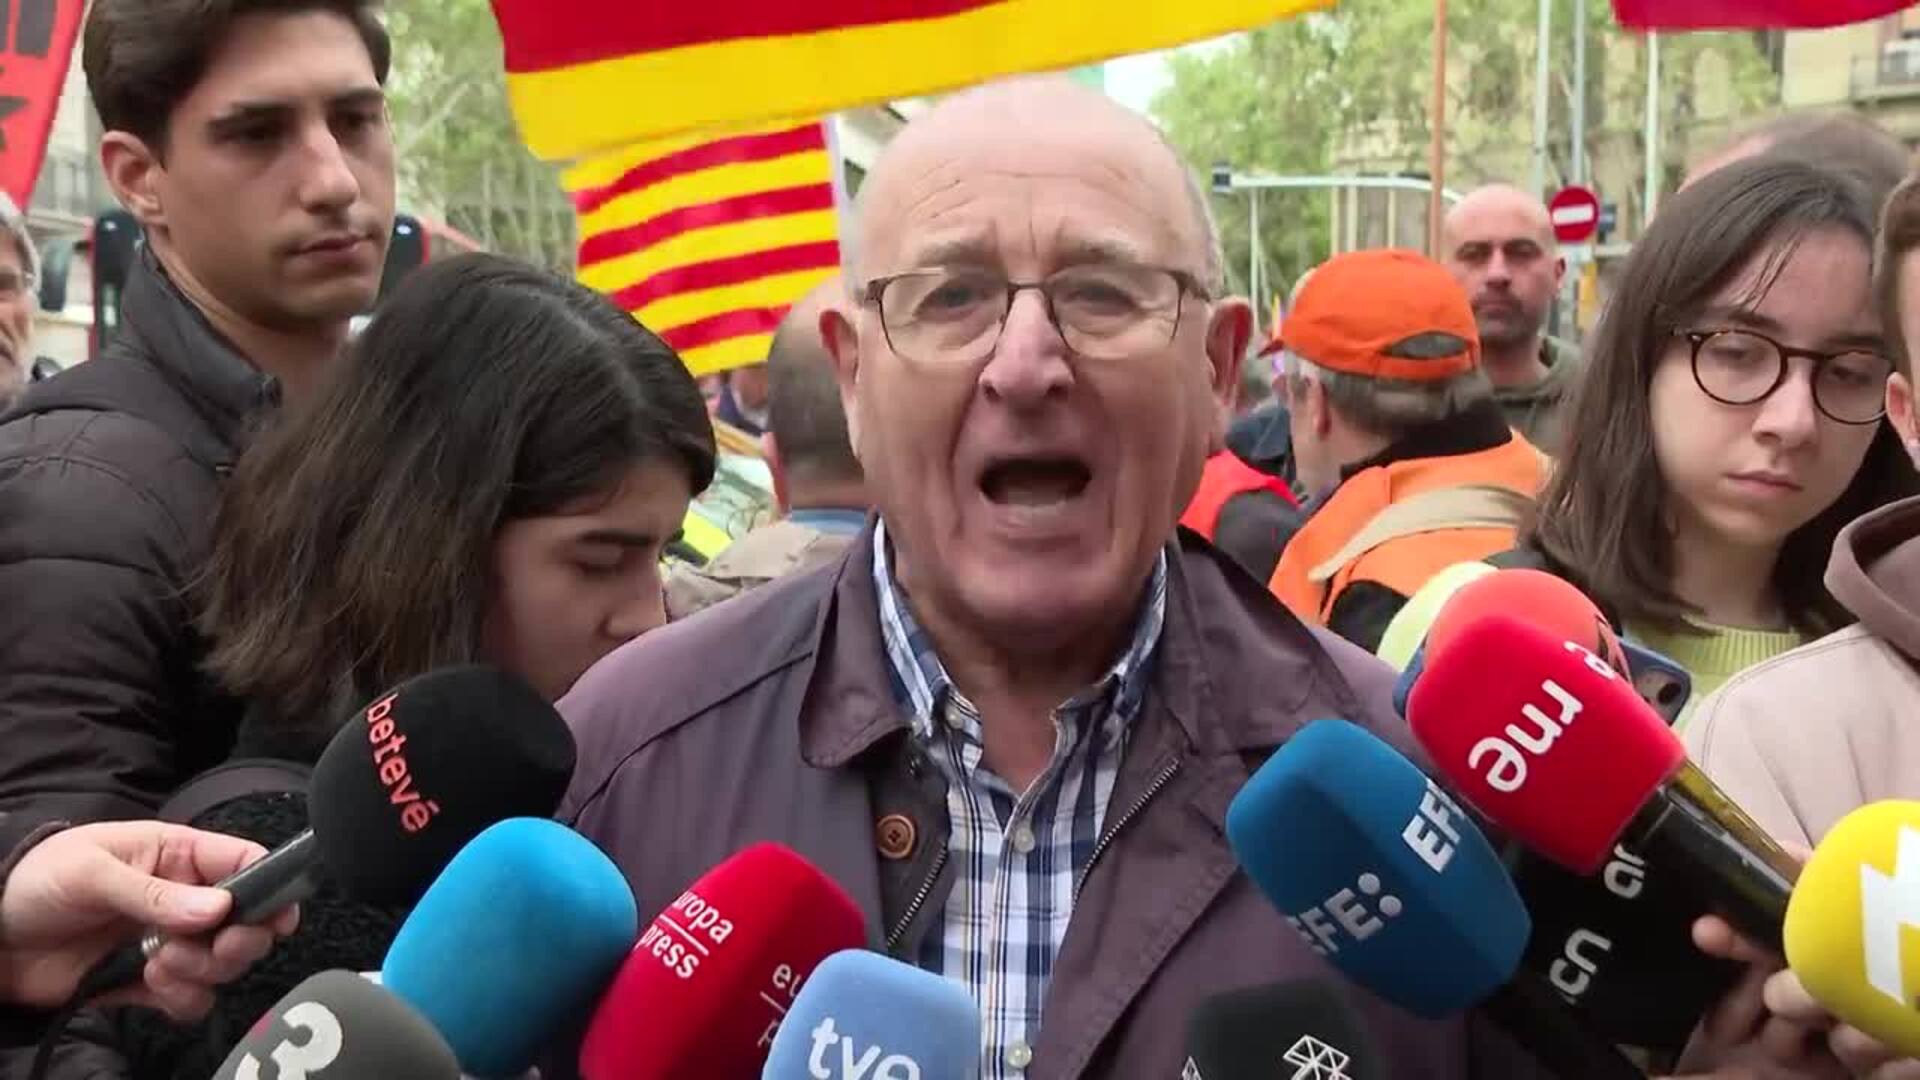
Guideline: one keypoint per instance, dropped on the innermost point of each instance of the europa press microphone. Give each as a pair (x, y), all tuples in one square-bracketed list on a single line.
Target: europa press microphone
[(1851, 923), (338, 1026), (517, 937), (1556, 748), (1388, 879), (704, 991), (1257, 1032), (864, 1016)]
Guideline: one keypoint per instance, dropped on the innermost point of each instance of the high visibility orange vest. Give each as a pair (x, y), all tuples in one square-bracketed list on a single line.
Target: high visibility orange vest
[(1226, 476), (1305, 581)]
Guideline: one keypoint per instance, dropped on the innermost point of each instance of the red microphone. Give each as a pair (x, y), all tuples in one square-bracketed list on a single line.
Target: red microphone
[(1554, 746), (705, 989), (1535, 596)]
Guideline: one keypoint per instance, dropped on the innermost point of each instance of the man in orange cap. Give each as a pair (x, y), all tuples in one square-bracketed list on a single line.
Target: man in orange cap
[(1396, 436)]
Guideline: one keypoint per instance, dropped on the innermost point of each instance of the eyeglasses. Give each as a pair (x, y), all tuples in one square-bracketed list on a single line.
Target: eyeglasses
[(14, 282), (1103, 312), (1740, 367)]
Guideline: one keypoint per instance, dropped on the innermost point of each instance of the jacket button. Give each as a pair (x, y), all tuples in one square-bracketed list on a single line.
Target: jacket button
[(895, 835)]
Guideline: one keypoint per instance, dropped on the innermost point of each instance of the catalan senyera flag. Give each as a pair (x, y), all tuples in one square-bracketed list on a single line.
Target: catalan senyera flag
[(708, 240), (586, 75), (1749, 14)]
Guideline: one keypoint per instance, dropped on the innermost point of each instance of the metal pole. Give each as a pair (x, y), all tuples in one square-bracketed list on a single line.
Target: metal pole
[(1253, 257), (1543, 57), (1579, 117), (1652, 198), (1437, 146)]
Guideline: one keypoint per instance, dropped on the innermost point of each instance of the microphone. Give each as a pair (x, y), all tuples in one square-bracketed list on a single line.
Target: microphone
[(1252, 1034), (704, 991), (1851, 920), (516, 938), (1544, 600), (1394, 885), (1555, 747), (338, 1026), (864, 1015)]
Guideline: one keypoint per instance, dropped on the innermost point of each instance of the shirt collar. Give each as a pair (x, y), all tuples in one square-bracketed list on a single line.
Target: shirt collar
[(920, 681), (836, 521)]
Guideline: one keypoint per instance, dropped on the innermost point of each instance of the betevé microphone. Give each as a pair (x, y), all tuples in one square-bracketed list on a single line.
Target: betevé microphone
[(1259, 1032), (1390, 881), (1556, 748), (338, 1026), (704, 991), (863, 1015), (519, 935)]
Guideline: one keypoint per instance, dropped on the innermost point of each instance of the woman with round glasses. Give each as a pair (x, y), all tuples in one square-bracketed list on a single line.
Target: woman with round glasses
[(1729, 422)]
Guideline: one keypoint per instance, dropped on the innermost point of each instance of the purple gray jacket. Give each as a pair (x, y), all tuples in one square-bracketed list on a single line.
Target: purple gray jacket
[(769, 717)]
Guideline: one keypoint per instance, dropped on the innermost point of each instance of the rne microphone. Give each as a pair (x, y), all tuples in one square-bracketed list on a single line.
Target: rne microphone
[(1853, 926), (338, 1026), (515, 939), (704, 991), (864, 1016), (1555, 747), (1256, 1033), (1545, 600), (1389, 880)]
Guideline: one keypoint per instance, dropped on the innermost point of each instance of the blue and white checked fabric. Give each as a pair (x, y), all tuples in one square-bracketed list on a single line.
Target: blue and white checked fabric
[(1016, 855)]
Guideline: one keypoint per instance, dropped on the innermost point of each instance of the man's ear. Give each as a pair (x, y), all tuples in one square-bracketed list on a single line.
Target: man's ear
[(842, 339), (1229, 328), (1900, 414), (1319, 409), (1559, 270), (133, 171)]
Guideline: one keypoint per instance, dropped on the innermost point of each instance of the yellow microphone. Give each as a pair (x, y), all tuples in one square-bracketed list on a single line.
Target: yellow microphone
[(1853, 924)]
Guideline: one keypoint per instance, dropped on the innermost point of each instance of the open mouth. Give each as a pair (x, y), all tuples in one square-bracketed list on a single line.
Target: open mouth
[(1035, 481)]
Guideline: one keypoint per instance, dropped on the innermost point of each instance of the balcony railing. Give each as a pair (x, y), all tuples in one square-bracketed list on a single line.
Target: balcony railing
[(1895, 73)]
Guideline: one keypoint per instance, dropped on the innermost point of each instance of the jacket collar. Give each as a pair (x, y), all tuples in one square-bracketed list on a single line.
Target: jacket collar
[(202, 365), (1481, 427)]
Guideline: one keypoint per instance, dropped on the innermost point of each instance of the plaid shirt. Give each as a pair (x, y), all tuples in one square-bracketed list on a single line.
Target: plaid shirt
[(1017, 856)]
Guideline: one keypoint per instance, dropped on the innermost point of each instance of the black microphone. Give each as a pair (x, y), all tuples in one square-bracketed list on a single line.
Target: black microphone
[(1259, 1032), (339, 1026)]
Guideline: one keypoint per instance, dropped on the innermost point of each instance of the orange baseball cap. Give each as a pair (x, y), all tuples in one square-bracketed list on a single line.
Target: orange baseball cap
[(1385, 314)]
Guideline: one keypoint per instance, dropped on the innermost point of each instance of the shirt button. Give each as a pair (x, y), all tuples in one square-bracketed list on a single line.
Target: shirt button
[(1019, 1055), (955, 720), (1023, 839)]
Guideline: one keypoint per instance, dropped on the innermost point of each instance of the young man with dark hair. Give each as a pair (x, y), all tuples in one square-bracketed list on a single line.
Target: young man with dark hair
[(249, 138)]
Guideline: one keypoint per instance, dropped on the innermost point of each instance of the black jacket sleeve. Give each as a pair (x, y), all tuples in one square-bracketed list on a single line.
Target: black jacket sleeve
[(1363, 612), (1253, 527)]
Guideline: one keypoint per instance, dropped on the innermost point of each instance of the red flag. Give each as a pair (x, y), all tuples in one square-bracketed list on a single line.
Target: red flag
[(36, 42), (1749, 14)]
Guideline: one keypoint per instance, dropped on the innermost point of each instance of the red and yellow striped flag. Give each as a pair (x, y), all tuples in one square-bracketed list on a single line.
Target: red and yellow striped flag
[(585, 75), (708, 241)]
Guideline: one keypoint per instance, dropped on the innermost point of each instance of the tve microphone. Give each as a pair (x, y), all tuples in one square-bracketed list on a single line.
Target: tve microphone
[(1554, 746), (863, 1015), (1853, 926), (1387, 878), (704, 991), (339, 1026), (1256, 1033), (517, 937)]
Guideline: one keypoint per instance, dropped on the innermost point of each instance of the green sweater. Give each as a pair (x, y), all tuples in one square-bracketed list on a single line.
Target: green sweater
[(1713, 654)]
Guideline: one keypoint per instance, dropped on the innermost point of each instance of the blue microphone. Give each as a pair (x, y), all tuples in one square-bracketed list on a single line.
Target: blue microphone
[(514, 941), (863, 1015), (1383, 874), (1403, 687)]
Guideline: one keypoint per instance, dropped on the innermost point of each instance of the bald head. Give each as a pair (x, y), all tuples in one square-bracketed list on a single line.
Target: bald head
[(1025, 127), (804, 413), (1499, 245), (1500, 209)]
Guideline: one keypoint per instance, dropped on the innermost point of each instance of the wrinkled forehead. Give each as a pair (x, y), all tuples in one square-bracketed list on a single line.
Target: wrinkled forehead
[(1054, 192)]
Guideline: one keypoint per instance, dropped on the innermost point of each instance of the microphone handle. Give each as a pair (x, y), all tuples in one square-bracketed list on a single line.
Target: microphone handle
[(1545, 1026), (1682, 829), (282, 876)]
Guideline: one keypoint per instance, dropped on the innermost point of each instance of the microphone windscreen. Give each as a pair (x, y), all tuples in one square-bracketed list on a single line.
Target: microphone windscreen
[(862, 1014), (514, 940), (424, 768), (704, 991), (338, 1026), (1379, 870), (1260, 1032), (1535, 597), (1542, 736), (1853, 925)]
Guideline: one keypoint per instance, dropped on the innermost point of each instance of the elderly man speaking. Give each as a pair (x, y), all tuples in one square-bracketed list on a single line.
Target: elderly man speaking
[(1010, 721)]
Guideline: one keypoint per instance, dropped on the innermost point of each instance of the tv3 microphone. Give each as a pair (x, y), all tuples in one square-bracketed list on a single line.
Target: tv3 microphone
[(705, 990), (1257, 1032), (338, 1026), (1556, 748), (1853, 925), (864, 1016), (1390, 881)]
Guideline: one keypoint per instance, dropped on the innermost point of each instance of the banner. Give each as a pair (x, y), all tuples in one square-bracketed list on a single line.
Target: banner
[(585, 75), (1749, 14), (36, 47), (708, 241)]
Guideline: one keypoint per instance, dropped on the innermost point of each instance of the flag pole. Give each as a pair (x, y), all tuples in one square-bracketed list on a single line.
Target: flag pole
[(1437, 123)]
